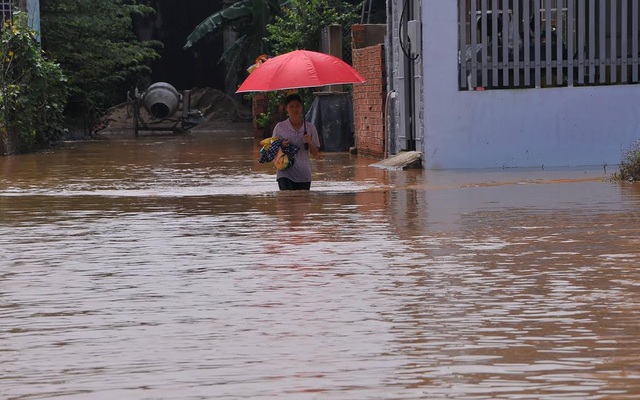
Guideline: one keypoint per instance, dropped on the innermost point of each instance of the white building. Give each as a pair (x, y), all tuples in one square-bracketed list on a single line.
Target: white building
[(552, 82)]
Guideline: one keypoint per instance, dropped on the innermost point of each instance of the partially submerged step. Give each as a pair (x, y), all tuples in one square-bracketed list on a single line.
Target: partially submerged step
[(401, 161)]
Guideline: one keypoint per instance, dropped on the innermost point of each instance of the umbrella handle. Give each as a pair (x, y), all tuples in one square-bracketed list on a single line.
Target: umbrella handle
[(304, 125)]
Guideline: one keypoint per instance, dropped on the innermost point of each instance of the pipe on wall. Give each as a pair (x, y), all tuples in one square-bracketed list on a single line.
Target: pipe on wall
[(392, 94)]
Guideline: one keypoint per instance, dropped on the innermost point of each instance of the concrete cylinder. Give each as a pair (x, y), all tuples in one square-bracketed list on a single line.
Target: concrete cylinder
[(161, 100)]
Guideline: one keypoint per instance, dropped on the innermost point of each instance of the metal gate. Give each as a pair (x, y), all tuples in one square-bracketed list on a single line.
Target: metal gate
[(507, 44)]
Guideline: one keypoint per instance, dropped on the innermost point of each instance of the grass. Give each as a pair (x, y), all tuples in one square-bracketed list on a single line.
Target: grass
[(629, 165)]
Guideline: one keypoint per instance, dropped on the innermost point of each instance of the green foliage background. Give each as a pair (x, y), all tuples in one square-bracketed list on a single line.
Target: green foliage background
[(94, 43), (88, 61), (32, 91), (300, 24)]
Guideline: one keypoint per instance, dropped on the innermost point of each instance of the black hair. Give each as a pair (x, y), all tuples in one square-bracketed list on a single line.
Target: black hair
[(292, 97)]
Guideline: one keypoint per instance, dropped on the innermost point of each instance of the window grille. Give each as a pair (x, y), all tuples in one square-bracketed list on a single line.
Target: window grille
[(507, 44), (6, 10)]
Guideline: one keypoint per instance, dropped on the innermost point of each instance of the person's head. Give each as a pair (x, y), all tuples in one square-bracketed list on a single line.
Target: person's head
[(292, 97), (293, 105)]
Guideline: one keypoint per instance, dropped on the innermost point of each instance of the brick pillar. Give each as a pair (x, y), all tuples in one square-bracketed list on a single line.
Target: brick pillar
[(368, 101), (259, 106)]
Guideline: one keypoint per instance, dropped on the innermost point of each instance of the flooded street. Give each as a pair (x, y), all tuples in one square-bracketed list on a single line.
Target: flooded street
[(170, 267)]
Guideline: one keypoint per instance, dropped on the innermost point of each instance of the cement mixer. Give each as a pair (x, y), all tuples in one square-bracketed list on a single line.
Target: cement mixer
[(162, 102)]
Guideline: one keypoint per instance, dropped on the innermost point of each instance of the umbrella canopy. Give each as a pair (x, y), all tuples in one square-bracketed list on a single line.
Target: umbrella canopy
[(300, 69)]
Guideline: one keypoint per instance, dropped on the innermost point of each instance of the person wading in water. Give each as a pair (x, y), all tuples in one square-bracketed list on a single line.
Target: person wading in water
[(292, 131)]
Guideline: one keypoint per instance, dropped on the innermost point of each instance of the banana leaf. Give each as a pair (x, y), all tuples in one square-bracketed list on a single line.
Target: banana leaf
[(258, 13), (215, 21)]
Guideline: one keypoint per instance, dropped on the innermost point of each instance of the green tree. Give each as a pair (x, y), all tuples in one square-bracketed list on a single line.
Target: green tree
[(95, 45), (32, 91), (301, 23)]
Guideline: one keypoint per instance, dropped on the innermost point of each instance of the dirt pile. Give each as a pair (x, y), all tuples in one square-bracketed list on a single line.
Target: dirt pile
[(214, 105), (217, 106)]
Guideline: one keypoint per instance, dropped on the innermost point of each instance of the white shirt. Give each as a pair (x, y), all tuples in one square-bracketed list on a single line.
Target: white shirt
[(301, 169)]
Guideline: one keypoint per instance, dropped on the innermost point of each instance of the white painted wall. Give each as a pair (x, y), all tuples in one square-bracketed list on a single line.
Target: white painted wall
[(516, 128)]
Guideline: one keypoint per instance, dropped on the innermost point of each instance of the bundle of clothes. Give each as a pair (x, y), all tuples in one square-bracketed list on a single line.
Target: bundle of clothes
[(271, 151)]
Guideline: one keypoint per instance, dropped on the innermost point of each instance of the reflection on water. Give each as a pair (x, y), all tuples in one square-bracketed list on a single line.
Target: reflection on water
[(172, 268)]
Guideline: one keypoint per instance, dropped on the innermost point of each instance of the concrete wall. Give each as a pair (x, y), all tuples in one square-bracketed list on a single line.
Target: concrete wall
[(515, 128)]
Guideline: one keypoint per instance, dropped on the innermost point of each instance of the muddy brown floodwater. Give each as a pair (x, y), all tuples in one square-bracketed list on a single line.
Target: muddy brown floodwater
[(170, 267)]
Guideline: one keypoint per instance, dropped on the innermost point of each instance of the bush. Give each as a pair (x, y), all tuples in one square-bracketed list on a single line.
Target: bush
[(32, 91), (94, 43), (630, 164), (301, 23)]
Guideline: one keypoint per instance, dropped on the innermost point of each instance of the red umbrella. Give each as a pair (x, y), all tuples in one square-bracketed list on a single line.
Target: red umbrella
[(299, 69)]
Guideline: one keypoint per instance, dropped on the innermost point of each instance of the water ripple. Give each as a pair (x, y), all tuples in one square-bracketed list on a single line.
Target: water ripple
[(167, 274)]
